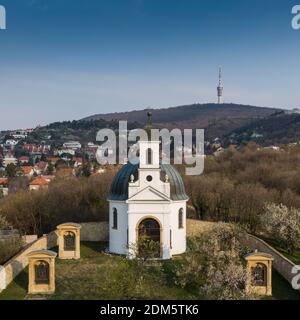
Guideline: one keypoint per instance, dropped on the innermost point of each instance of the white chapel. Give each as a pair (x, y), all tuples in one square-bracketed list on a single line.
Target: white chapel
[(148, 199)]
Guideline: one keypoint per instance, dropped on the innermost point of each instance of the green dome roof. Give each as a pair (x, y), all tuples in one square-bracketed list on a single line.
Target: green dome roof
[(119, 186)]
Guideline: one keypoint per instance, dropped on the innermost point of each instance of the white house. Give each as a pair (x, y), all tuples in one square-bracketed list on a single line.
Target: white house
[(73, 145), (11, 142), (147, 199), (65, 150), (3, 187), (8, 160)]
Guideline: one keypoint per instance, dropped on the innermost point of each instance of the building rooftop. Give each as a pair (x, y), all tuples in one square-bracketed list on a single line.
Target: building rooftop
[(119, 186), (39, 182)]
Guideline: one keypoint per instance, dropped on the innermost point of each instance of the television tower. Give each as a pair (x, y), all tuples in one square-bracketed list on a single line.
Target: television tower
[(220, 87)]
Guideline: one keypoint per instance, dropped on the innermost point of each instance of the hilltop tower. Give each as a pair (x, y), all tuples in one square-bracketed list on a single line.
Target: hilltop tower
[(220, 87)]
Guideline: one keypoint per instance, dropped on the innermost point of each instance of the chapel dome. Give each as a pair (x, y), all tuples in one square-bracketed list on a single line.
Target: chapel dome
[(119, 186)]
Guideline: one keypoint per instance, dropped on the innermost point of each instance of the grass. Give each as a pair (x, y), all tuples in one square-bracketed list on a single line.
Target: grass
[(295, 257), (282, 290), (100, 276)]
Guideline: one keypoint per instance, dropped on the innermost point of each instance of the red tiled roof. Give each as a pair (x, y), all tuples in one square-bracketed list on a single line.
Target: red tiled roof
[(48, 178), (3, 181), (39, 182), (24, 158), (26, 169), (53, 158)]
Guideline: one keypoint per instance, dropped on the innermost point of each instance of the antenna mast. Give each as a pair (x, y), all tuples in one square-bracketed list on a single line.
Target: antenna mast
[(220, 87)]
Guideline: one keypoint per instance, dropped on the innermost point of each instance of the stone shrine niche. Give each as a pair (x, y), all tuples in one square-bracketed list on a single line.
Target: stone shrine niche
[(41, 272), (259, 267), (69, 240)]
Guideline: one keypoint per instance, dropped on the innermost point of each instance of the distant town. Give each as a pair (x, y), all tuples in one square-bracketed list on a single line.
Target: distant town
[(40, 163), (31, 158)]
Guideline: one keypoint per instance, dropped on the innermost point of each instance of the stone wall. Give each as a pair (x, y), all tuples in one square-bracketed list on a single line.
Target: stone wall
[(282, 265), (20, 261), (8, 234), (94, 231), (91, 231), (98, 231)]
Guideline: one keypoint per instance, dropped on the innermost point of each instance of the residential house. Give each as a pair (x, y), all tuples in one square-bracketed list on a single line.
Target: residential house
[(28, 171), (49, 178), (38, 184), (37, 149), (11, 142), (73, 145), (91, 150), (19, 134), (24, 160), (8, 159), (3, 187), (40, 167), (78, 162), (52, 160), (64, 150)]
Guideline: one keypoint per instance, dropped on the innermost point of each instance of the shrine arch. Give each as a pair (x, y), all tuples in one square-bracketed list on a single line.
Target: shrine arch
[(150, 228)]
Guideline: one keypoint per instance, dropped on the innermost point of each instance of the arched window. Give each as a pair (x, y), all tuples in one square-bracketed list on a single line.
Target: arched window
[(69, 241), (180, 219), (149, 159), (115, 219), (41, 270), (259, 275)]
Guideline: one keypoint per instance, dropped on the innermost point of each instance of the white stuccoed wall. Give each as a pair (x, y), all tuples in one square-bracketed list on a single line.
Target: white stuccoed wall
[(178, 235), (118, 237)]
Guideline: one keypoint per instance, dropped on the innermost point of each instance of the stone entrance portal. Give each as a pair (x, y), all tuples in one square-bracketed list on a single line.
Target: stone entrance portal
[(150, 229)]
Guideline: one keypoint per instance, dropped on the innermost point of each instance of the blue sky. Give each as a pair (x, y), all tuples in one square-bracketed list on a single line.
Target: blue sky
[(67, 59)]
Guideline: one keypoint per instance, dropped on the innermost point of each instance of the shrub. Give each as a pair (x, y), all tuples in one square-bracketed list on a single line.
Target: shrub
[(4, 225), (10, 247), (213, 265), (236, 186), (283, 224), (67, 199)]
